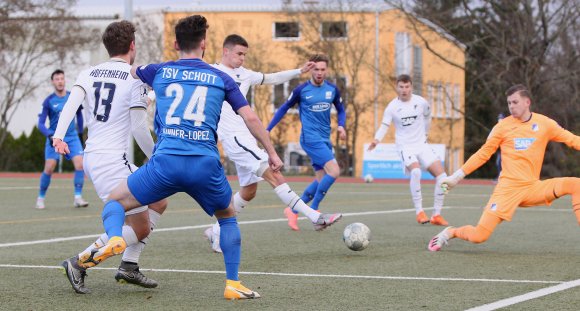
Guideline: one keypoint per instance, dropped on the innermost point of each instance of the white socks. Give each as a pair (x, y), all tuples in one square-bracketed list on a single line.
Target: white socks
[(128, 235), (292, 200), (415, 185), (439, 195), (133, 251), (239, 202)]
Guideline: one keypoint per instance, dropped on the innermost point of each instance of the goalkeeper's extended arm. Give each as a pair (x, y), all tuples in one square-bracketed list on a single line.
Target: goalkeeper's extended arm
[(451, 181)]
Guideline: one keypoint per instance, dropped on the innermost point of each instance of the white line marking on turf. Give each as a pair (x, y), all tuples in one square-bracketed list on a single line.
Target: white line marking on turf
[(247, 222), (525, 297), (309, 275)]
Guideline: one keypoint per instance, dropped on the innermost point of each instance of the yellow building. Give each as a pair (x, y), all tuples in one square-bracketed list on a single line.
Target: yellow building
[(368, 48)]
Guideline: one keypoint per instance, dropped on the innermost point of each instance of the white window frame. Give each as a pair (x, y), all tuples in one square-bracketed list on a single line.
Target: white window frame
[(403, 53), (457, 101), (448, 101), (439, 100)]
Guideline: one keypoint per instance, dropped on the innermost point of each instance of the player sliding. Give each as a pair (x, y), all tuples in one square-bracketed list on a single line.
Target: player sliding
[(314, 99), (241, 147), (522, 138)]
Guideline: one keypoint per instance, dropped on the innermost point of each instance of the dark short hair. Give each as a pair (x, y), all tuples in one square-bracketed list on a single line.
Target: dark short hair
[(233, 40), (118, 36), (56, 72), (519, 88), (404, 78), (190, 31), (319, 58)]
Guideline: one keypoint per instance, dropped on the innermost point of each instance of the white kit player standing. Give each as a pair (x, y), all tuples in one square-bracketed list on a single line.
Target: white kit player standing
[(411, 115), (241, 147), (117, 107)]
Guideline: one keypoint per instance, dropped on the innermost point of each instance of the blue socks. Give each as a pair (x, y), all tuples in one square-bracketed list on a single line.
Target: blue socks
[(231, 244), (309, 192), (44, 183), (113, 218), (78, 181), (325, 184)]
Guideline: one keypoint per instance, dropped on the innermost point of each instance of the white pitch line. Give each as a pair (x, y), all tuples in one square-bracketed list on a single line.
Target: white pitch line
[(525, 297), (309, 275), (247, 222)]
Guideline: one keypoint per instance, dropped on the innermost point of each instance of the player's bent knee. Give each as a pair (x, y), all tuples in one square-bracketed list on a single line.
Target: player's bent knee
[(225, 213), (159, 206), (481, 235)]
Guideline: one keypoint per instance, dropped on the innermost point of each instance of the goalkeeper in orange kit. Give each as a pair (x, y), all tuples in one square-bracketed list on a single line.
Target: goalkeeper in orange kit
[(522, 138)]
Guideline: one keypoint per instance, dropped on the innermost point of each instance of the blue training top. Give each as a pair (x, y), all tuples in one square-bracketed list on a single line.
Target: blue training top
[(189, 94), (314, 106), (51, 108)]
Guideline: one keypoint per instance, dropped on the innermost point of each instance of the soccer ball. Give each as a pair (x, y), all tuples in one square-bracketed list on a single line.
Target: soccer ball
[(356, 236), (368, 178)]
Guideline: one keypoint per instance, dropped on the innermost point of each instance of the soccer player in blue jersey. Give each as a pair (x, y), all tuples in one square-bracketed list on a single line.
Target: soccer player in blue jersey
[(315, 98), (51, 108), (190, 94)]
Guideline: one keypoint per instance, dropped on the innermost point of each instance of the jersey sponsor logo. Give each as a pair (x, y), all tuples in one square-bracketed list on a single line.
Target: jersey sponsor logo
[(535, 127), (523, 143), (406, 121), (328, 95), (319, 107)]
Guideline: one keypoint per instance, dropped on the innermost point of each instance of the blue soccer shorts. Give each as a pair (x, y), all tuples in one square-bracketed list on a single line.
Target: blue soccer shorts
[(74, 145), (200, 176), (319, 152)]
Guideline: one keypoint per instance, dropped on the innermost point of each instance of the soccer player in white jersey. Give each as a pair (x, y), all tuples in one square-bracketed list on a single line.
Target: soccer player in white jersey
[(411, 115), (241, 147), (117, 105)]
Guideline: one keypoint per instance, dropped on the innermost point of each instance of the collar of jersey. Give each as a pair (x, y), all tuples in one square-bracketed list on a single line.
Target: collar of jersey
[(116, 59)]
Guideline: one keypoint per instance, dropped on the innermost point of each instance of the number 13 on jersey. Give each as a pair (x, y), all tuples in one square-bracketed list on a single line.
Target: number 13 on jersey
[(195, 105)]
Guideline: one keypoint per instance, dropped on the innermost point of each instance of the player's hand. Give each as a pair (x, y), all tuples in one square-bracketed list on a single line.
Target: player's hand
[(60, 146), (307, 67), (341, 133), (449, 182), (373, 145), (275, 163)]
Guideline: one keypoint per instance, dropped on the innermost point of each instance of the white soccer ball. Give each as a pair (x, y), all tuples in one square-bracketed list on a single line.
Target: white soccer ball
[(368, 178), (356, 236)]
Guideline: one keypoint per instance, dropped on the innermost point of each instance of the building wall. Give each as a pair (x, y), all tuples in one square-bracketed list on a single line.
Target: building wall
[(372, 92)]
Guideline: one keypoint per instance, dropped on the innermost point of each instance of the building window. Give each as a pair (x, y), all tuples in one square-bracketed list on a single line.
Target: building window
[(334, 30), (418, 70), (439, 100), (448, 101), (430, 98), (403, 51), (281, 93), (286, 30), (456, 101)]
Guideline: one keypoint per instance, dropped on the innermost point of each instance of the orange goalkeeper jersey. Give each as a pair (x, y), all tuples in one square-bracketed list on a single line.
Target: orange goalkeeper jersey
[(523, 145)]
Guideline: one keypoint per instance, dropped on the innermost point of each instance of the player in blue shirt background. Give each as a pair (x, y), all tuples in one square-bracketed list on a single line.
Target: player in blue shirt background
[(315, 99), (51, 108), (190, 94)]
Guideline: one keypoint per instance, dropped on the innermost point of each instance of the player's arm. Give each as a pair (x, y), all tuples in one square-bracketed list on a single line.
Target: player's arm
[(42, 120), (383, 129), (341, 114), (287, 75), (80, 122), (293, 100), (138, 115), (145, 73), (562, 135), (74, 101), (476, 160)]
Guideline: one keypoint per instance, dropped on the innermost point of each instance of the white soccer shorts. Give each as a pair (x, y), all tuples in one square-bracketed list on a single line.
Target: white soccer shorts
[(243, 150), (422, 154)]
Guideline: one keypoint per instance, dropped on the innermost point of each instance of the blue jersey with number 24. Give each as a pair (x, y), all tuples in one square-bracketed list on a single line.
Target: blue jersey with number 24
[(190, 94)]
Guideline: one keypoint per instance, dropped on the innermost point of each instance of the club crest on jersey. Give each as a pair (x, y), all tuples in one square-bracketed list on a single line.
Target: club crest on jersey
[(406, 121), (319, 107), (328, 95), (523, 143), (535, 127), (493, 207)]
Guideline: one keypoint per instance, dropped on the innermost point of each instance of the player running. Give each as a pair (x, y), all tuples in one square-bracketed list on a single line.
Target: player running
[(117, 105), (522, 138), (314, 99), (241, 147), (51, 108), (190, 94), (411, 115)]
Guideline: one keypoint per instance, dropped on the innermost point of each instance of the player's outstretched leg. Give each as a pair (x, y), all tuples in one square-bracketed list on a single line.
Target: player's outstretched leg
[(76, 275)]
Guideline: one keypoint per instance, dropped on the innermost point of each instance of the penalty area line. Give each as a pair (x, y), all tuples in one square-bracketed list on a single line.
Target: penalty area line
[(309, 275), (528, 296)]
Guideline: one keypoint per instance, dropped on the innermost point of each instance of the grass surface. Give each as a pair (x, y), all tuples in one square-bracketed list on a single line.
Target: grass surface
[(303, 270)]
